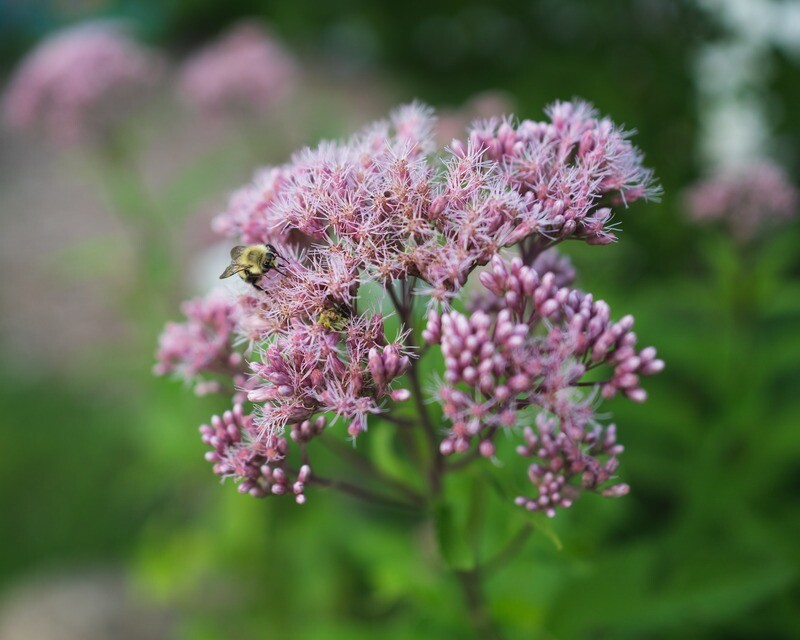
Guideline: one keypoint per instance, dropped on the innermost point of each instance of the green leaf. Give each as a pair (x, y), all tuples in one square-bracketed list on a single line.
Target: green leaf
[(664, 584)]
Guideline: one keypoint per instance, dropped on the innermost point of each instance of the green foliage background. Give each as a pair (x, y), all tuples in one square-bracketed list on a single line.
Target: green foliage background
[(106, 465)]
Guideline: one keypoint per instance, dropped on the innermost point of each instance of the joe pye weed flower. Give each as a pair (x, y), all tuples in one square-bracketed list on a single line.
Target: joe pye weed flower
[(244, 71), (80, 84), (748, 199), (524, 353)]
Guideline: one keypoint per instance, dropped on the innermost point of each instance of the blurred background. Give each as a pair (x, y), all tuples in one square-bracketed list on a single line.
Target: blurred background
[(113, 524)]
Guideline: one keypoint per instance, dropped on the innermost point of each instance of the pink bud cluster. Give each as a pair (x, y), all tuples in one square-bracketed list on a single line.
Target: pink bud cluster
[(79, 83), (259, 472), (550, 261), (533, 352), (747, 199), (245, 70), (379, 209), (590, 457)]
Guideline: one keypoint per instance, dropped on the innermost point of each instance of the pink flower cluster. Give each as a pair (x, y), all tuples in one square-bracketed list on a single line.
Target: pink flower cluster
[(534, 352), (245, 71), (590, 455), (398, 216), (747, 199), (250, 465), (200, 350), (309, 369), (380, 208), (79, 83), (571, 170)]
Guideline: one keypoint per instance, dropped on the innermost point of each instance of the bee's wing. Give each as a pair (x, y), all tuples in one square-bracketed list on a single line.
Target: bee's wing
[(231, 269), (237, 251)]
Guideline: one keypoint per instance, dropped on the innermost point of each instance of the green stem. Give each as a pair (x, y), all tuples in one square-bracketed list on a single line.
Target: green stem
[(361, 493), (134, 204), (471, 584), (364, 464), (436, 471), (407, 435), (437, 463), (510, 551)]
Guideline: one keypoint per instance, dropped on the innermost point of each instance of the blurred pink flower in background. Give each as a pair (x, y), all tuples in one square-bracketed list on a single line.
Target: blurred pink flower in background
[(79, 83), (245, 69), (745, 198)]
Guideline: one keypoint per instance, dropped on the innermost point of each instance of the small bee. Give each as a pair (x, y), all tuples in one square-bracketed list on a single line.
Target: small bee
[(252, 263), (334, 318)]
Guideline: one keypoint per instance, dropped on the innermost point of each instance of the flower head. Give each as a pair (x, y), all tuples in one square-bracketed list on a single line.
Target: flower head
[(567, 464), (258, 471), (200, 350), (747, 199), (79, 83), (498, 365), (245, 70), (378, 209)]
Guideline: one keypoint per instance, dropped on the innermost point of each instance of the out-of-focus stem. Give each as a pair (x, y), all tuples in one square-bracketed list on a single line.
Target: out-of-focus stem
[(505, 555), (397, 304), (595, 383), (406, 435), (362, 493), (365, 465), (437, 461), (472, 591), (135, 206), (532, 247), (437, 465), (398, 420)]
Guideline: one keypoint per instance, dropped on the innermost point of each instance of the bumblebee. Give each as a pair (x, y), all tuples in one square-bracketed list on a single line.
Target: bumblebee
[(252, 263)]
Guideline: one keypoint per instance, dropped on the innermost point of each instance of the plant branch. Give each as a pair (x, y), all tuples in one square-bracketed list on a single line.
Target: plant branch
[(463, 461), (398, 420), (346, 453), (437, 465), (472, 592), (401, 310), (514, 546), (590, 384), (361, 493)]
